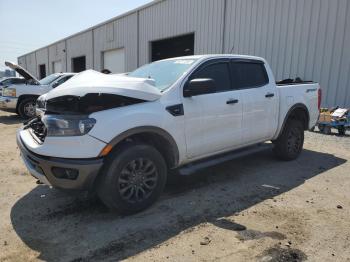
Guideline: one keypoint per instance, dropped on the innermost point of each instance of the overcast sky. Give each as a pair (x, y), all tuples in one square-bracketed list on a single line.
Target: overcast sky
[(27, 25)]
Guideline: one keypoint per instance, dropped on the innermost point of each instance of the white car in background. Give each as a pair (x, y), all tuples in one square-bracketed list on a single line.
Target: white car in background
[(6, 81), (21, 98)]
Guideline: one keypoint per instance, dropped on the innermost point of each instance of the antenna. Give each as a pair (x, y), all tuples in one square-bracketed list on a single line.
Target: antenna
[(233, 47)]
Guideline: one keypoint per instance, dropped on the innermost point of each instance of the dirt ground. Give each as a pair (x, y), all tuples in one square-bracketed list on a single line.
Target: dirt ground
[(255, 208)]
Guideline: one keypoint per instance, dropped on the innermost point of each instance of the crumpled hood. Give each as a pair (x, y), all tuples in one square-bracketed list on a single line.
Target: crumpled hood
[(91, 81)]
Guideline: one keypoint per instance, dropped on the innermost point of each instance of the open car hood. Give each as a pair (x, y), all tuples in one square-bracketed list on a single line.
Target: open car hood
[(91, 81), (21, 71)]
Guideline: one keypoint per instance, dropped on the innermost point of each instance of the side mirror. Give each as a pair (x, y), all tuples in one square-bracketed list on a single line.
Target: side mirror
[(199, 86)]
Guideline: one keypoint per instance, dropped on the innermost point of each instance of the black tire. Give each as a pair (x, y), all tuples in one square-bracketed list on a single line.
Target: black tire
[(26, 108), (341, 130), (129, 171), (289, 144)]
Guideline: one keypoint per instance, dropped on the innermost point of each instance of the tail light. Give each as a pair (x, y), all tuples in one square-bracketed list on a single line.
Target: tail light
[(319, 98)]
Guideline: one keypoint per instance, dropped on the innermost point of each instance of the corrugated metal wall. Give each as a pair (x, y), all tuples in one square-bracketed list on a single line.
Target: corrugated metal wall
[(177, 17), (306, 38), (121, 33), (57, 52), (80, 45), (42, 58), (30, 61)]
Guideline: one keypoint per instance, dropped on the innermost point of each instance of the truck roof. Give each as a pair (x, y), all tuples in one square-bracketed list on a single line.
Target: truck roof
[(197, 57)]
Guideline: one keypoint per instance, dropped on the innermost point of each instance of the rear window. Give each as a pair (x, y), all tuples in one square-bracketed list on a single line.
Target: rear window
[(249, 75)]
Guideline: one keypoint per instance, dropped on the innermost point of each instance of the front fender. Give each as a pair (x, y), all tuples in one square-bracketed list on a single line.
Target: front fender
[(116, 124)]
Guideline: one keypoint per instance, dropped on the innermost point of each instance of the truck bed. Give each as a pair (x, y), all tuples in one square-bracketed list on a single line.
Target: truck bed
[(305, 93)]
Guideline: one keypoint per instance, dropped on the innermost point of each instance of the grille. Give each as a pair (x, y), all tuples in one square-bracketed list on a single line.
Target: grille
[(37, 127)]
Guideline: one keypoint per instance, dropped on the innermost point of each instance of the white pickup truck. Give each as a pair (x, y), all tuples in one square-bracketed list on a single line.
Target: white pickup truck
[(120, 136), (21, 97)]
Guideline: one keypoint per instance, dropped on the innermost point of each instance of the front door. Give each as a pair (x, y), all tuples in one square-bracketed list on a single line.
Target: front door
[(213, 121)]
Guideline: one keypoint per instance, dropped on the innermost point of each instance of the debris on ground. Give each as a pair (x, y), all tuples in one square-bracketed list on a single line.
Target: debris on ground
[(205, 241)]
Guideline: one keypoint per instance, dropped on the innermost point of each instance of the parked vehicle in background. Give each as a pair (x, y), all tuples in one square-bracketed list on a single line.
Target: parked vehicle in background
[(6, 81), (121, 135), (21, 97)]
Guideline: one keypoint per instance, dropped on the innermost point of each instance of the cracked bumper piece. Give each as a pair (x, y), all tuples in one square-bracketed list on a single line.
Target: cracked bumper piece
[(8, 103), (71, 174)]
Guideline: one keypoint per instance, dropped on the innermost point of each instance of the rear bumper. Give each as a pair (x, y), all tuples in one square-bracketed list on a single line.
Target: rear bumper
[(81, 172), (8, 103)]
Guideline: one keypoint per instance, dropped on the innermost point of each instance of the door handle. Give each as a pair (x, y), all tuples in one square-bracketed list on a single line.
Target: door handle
[(232, 101), (269, 95)]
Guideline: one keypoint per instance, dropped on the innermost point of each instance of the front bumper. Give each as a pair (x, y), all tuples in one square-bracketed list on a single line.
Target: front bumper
[(8, 103), (41, 167)]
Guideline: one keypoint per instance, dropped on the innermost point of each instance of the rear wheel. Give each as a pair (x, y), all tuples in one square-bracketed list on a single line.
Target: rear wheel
[(290, 143), (134, 178), (26, 108)]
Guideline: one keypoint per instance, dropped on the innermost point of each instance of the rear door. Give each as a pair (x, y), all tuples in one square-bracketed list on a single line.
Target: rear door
[(259, 97), (213, 121)]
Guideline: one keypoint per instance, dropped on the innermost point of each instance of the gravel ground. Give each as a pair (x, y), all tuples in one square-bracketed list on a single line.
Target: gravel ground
[(251, 209)]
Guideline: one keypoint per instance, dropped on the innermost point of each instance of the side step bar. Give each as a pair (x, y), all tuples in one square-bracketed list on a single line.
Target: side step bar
[(212, 161)]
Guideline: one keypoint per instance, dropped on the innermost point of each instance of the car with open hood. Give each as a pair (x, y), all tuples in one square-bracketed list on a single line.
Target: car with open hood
[(123, 136), (21, 97)]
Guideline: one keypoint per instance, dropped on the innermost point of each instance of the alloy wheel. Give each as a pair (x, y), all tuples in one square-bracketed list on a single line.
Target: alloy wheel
[(137, 180), (294, 141), (29, 109)]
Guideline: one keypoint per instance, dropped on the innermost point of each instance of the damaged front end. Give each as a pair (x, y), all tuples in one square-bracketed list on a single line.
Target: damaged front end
[(69, 115)]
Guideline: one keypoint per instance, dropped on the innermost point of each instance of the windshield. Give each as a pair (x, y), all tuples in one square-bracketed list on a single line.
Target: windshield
[(164, 73), (49, 79)]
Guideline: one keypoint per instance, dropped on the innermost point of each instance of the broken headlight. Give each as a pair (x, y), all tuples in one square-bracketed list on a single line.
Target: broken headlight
[(67, 125)]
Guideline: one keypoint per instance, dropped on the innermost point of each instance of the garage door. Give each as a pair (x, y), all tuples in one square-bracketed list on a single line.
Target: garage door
[(57, 67), (114, 60), (173, 47)]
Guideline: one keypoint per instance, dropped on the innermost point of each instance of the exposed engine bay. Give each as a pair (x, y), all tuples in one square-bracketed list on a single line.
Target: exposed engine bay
[(64, 114), (87, 104)]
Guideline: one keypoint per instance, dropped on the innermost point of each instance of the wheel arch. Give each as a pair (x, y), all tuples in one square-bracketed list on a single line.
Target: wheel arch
[(155, 136), (299, 112)]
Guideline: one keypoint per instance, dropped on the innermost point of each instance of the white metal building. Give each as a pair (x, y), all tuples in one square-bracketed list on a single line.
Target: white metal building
[(305, 38)]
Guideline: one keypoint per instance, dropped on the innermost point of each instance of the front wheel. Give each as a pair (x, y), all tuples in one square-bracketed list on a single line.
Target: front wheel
[(26, 108), (290, 143), (133, 178)]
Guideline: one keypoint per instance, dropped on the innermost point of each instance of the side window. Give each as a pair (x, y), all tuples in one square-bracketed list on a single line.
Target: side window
[(19, 81), (6, 82), (62, 80), (248, 75), (219, 72)]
